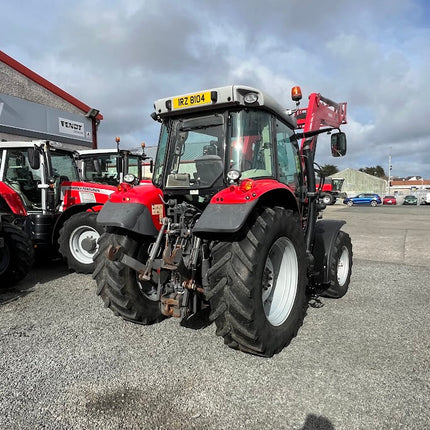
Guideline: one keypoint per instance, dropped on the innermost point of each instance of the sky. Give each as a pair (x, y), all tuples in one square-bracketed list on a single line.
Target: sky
[(120, 56)]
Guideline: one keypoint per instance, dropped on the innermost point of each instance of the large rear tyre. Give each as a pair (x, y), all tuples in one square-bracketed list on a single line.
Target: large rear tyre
[(340, 267), (118, 285), (257, 284), (78, 241), (16, 255)]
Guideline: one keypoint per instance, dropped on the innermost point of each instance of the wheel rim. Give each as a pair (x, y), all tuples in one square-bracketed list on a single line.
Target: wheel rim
[(326, 200), (280, 279), (350, 203), (83, 244), (343, 266)]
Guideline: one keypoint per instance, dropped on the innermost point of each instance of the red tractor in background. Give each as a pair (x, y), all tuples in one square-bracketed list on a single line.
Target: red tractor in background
[(41, 182), (330, 190), (230, 224)]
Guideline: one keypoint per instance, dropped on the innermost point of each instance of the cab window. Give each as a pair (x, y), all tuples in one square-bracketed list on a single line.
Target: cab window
[(250, 143), (289, 166)]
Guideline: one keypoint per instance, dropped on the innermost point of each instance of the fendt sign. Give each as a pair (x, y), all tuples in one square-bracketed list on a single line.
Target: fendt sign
[(71, 127), (24, 118)]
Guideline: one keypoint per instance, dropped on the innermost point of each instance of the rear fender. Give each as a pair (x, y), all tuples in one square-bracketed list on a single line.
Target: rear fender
[(139, 209), (326, 232), (229, 209)]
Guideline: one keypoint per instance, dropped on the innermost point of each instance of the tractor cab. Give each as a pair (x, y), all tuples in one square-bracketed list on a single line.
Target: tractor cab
[(35, 171), (217, 138), (108, 166)]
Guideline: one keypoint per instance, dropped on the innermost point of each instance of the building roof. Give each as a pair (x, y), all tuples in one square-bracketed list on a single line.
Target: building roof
[(45, 83), (355, 172), (410, 183)]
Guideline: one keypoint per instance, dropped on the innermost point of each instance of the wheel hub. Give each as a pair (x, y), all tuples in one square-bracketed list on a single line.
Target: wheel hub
[(83, 244), (89, 244)]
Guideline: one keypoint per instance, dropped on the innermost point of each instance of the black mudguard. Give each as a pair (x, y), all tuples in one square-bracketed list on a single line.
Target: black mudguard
[(325, 235), (223, 218), (129, 216)]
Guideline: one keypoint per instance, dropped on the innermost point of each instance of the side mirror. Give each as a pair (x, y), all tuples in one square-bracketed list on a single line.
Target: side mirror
[(338, 144), (33, 158)]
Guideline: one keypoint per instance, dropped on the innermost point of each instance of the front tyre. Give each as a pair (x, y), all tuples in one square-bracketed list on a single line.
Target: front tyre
[(257, 284), (118, 285), (78, 241), (340, 267), (328, 199)]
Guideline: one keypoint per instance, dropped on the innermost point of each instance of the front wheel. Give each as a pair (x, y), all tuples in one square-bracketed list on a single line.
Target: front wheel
[(257, 284), (340, 267), (78, 241), (328, 199), (349, 203), (118, 284)]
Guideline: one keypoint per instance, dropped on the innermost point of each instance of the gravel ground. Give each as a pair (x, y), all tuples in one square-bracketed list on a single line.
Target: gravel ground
[(360, 362)]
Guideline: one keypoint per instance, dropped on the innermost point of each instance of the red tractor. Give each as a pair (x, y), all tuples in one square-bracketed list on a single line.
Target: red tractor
[(230, 224), (40, 181), (330, 190)]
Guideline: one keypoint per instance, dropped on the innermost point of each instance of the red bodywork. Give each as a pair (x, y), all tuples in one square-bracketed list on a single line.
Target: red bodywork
[(12, 199), (85, 192), (247, 191), (327, 188)]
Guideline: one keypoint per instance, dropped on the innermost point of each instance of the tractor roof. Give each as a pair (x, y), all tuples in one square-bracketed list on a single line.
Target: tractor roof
[(36, 143), (214, 98)]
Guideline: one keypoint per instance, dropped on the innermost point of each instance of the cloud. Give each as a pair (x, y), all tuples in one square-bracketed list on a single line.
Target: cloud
[(121, 56)]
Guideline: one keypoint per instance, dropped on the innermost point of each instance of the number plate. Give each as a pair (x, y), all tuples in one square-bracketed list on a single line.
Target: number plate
[(192, 100)]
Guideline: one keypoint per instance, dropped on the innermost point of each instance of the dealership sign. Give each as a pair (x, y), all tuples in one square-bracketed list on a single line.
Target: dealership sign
[(71, 127), (24, 118)]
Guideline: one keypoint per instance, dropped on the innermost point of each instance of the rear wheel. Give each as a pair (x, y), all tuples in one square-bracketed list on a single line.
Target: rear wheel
[(340, 267), (118, 285), (78, 241), (16, 255), (373, 203), (257, 285)]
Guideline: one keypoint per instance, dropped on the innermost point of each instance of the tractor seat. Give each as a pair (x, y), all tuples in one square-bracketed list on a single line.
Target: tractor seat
[(209, 169)]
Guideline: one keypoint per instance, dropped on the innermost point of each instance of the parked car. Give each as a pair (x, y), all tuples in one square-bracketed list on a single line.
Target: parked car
[(410, 200), (389, 200), (363, 199)]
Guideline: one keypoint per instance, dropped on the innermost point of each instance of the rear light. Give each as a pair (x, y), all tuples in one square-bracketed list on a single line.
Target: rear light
[(246, 185), (124, 187)]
